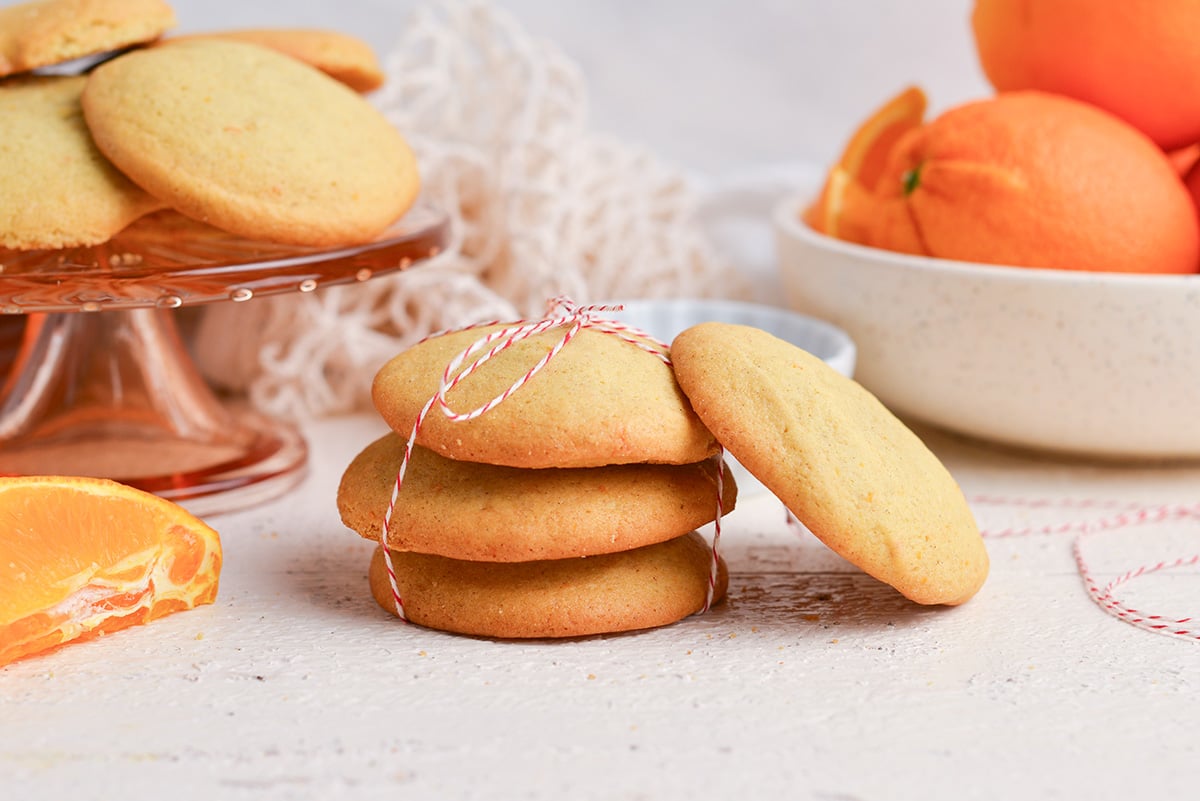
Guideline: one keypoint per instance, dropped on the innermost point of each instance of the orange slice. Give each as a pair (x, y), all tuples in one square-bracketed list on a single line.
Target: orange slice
[(840, 189), (853, 214), (866, 154), (81, 557)]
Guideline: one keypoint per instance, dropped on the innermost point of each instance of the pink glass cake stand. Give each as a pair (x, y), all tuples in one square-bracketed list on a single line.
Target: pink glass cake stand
[(102, 384)]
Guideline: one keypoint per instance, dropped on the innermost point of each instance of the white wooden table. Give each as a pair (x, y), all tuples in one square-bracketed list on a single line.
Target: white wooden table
[(812, 682)]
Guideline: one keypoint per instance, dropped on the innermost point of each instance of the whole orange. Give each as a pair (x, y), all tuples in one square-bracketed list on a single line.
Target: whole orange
[(1030, 179), (1138, 60)]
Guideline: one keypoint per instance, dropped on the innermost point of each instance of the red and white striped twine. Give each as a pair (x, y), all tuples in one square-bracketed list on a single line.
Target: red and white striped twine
[(1126, 516), (561, 312), (715, 551)]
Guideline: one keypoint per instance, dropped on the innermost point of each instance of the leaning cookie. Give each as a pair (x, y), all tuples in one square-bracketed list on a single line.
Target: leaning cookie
[(856, 476), (466, 510), (56, 189), (342, 57), (252, 142), (643, 588), (48, 32), (599, 401)]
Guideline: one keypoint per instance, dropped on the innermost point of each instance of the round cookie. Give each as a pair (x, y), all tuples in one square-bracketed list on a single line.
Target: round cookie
[(480, 512), (342, 57), (56, 189), (600, 401), (856, 476), (47, 32), (646, 587), (251, 141)]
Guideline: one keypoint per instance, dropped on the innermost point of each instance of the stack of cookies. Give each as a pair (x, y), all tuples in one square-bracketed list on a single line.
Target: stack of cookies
[(568, 509), (559, 512), (260, 133)]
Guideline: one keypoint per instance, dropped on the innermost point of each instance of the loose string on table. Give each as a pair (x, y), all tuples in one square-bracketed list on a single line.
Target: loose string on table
[(1124, 516), (563, 313)]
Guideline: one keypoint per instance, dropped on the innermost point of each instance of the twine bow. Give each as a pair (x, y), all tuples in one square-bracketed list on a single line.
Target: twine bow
[(561, 312)]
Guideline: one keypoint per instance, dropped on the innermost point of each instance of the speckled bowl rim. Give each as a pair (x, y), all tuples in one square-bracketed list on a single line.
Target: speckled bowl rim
[(787, 219)]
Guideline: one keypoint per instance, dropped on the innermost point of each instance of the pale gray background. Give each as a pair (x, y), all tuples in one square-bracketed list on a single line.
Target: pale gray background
[(715, 86)]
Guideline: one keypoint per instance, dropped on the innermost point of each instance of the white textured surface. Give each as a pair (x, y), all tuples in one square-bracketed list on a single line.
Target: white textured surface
[(812, 682)]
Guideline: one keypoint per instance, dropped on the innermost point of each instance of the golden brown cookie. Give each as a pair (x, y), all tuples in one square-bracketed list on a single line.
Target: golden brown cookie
[(47, 32), (480, 512), (650, 586), (251, 141), (600, 401), (856, 476), (56, 189), (340, 56)]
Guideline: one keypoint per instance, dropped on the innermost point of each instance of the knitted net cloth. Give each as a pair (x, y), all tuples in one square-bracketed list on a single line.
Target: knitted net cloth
[(540, 206)]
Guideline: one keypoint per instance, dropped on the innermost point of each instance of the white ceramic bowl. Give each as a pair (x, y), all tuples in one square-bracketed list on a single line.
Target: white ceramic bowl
[(1088, 363)]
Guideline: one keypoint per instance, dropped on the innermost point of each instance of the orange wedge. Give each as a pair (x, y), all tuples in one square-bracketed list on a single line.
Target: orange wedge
[(866, 154), (853, 214), (82, 557)]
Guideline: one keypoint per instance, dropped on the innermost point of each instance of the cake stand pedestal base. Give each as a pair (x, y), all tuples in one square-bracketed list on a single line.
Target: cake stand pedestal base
[(114, 394)]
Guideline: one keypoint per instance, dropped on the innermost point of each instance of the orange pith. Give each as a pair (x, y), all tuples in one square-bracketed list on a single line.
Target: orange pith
[(80, 557), (865, 156)]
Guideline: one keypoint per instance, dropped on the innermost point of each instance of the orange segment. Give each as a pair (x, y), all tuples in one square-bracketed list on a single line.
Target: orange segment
[(866, 154), (83, 556)]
